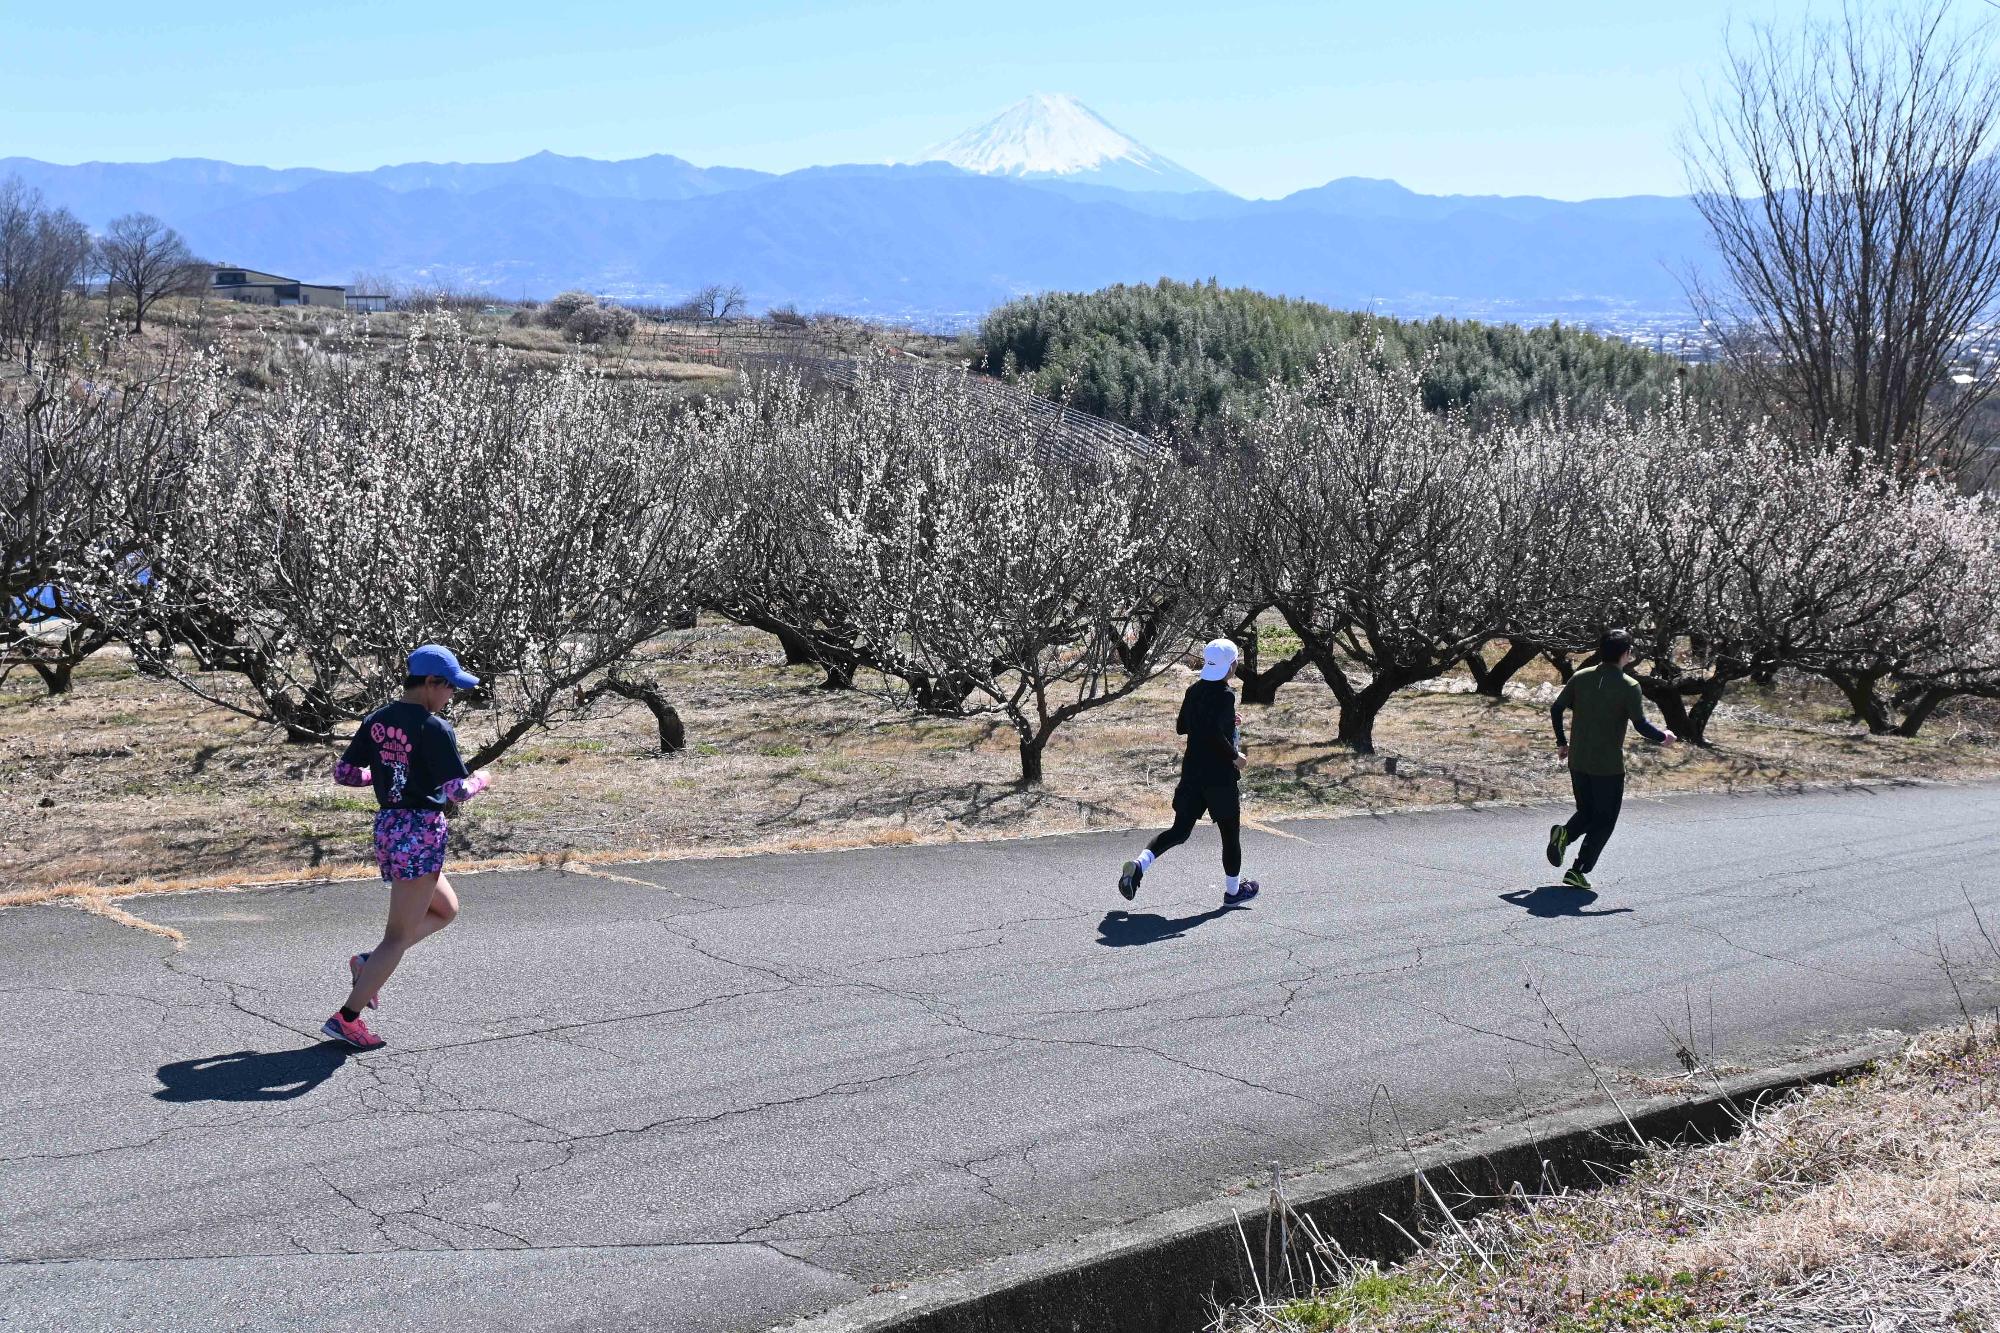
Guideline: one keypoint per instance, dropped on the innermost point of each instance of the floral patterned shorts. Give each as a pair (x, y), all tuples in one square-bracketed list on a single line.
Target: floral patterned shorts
[(409, 844)]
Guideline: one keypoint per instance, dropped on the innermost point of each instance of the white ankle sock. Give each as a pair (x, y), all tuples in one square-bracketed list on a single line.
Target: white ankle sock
[(1146, 859), (1231, 881)]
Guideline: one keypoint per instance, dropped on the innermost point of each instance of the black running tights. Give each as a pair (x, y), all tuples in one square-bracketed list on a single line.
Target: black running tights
[(1189, 807)]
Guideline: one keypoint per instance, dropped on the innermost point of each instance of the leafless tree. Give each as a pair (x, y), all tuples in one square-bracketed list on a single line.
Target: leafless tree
[(305, 550), (1846, 172), (78, 459), (797, 458), (1902, 619), (365, 282), (1379, 531), (44, 252), (442, 294), (1047, 583), (716, 300), (145, 259)]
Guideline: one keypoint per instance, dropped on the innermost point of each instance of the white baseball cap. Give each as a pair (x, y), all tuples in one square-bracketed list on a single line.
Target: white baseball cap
[(1217, 658)]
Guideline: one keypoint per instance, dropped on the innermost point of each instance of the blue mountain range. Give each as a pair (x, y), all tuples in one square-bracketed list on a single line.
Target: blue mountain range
[(930, 242)]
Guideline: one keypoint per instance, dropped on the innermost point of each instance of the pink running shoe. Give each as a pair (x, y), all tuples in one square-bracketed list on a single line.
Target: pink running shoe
[(355, 1034), (354, 971)]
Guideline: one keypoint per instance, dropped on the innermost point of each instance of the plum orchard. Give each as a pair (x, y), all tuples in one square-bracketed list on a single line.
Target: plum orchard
[(1393, 541), (940, 547), (545, 525), (942, 538), (83, 467), (1398, 541)]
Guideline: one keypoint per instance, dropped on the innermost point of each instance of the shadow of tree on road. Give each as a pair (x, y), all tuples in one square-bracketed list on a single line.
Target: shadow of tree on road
[(1121, 929), (251, 1076), (1551, 900)]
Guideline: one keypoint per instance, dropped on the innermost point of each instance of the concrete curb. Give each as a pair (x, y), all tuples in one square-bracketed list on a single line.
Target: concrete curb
[(1167, 1274)]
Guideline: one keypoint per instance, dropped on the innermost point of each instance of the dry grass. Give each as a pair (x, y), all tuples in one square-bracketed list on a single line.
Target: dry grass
[(262, 343), (131, 783), (1873, 1204), (99, 904)]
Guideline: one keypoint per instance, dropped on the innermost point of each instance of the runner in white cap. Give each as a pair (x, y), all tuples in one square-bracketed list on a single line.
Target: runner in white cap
[(1208, 776)]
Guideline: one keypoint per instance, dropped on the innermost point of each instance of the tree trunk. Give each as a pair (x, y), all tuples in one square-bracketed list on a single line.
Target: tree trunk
[(1358, 711), (1920, 709), (1261, 687), (798, 649), (1031, 761), (1491, 681), (673, 734), (55, 675), (504, 742), (1358, 707), (1671, 698), (1560, 661), (56, 671), (1673, 712), (1864, 698), (1703, 710), (1131, 655), (308, 720), (940, 696)]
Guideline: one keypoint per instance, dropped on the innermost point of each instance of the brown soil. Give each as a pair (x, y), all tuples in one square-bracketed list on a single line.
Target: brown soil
[(132, 779)]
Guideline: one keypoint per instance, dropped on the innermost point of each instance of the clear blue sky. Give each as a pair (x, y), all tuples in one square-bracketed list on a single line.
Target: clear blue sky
[(1569, 98)]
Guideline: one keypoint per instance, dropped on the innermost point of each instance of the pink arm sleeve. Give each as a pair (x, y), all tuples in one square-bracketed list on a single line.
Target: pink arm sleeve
[(351, 775), (464, 789)]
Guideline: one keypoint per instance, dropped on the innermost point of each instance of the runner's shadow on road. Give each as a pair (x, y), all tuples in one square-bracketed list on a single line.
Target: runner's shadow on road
[(1121, 929), (251, 1076), (1557, 900)]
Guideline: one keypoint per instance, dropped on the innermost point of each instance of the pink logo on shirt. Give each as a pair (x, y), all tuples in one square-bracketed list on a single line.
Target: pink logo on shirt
[(391, 741), (394, 747)]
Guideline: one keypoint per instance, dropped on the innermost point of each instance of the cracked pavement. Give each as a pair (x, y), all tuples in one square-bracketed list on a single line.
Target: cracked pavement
[(717, 1095)]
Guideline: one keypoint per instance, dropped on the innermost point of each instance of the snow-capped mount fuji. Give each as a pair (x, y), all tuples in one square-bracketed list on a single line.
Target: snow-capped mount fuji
[(1052, 136)]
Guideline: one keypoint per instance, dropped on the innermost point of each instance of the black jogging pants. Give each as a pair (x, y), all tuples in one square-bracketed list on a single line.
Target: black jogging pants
[(1219, 801), (1598, 798)]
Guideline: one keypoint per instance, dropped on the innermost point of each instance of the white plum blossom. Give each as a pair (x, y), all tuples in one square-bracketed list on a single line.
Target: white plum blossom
[(543, 524), (944, 538), (1387, 537), (912, 534)]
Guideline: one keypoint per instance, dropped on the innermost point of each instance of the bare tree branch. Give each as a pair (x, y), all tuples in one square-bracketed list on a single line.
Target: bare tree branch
[(1847, 175)]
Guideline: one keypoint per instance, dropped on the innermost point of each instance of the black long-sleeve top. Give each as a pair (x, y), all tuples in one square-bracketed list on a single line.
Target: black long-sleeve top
[(1208, 720)]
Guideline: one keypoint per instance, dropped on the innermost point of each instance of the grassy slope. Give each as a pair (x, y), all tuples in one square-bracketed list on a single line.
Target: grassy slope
[(1873, 1204)]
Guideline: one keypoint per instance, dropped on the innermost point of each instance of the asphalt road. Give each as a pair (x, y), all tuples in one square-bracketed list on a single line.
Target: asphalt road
[(712, 1095)]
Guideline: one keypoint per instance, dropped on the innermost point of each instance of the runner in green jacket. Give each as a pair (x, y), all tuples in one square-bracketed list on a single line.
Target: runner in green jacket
[(1604, 699)]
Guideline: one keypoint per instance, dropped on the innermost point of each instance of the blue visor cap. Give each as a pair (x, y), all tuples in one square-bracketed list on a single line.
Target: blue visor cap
[(434, 659)]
